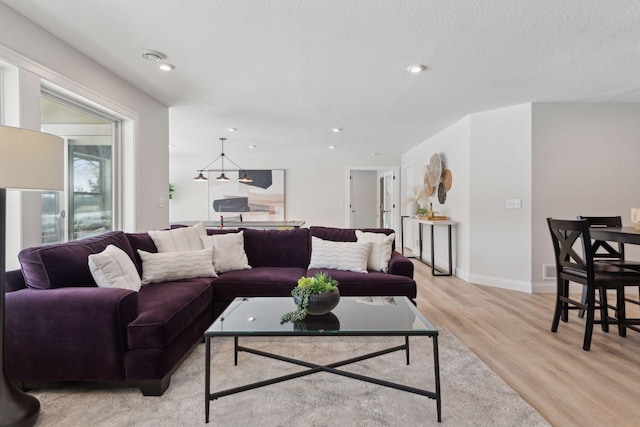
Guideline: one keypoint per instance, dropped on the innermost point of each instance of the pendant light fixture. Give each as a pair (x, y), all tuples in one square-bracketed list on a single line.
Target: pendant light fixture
[(222, 177)]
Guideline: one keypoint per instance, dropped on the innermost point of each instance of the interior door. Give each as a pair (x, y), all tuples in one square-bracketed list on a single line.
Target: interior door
[(388, 199), (363, 202)]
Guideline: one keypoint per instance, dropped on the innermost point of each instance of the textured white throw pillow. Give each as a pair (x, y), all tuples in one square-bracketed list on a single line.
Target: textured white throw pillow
[(179, 239), (112, 268), (381, 248), (169, 266), (228, 251), (349, 256)]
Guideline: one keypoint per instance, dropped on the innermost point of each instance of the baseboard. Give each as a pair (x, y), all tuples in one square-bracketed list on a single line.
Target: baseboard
[(550, 288), (496, 282)]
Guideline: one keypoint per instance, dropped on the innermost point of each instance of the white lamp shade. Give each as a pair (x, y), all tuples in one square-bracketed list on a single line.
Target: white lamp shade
[(31, 160)]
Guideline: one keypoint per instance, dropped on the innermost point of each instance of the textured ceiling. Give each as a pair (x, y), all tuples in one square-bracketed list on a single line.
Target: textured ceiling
[(284, 72)]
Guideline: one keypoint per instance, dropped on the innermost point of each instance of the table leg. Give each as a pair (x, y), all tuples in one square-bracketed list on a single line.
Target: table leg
[(406, 343), (420, 238), (207, 378), (433, 254), (436, 365), (235, 351)]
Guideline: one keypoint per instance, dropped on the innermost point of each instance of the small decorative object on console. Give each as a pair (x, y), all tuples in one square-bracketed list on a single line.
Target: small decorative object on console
[(635, 218), (315, 295)]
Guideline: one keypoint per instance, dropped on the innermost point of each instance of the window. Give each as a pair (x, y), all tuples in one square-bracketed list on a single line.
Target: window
[(88, 206)]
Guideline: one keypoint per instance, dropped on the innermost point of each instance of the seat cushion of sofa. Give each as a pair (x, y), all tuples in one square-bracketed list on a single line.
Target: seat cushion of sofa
[(65, 265), (259, 281), (165, 310), (373, 283)]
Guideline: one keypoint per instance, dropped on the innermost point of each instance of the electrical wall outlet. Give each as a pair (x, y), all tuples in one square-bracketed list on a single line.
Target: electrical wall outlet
[(161, 202), (514, 203)]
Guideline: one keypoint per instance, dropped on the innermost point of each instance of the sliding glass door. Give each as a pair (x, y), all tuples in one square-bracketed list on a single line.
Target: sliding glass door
[(86, 208)]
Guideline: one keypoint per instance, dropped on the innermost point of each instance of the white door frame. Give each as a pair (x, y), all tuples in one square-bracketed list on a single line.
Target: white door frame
[(396, 192)]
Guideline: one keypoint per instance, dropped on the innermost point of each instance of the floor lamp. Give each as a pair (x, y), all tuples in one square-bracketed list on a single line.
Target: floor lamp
[(29, 160)]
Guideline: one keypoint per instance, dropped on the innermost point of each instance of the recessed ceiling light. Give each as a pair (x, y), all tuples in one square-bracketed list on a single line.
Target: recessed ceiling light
[(375, 154), (333, 147), (416, 68), (336, 130), (252, 146), (232, 129), (154, 55), (172, 146), (167, 67)]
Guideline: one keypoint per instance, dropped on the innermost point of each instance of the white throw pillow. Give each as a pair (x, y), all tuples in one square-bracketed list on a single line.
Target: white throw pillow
[(350, 256), (228, 251), (381, 248), (179, 239), (170, 266), (112, 268)]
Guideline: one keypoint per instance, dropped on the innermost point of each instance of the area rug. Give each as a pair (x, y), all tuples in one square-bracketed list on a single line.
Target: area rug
[(472, 394)]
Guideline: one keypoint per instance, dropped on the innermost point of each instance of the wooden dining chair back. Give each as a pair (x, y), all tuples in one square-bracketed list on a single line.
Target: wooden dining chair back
[(574, 259)]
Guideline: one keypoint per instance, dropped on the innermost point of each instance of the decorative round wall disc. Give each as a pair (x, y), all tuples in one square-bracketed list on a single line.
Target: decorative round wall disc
[(428, 188), (442, 193), (447, 179), (435, 169)]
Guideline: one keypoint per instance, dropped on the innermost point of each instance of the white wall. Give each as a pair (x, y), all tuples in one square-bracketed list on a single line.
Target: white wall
[(585, 162), (28, 46), (316, 185), (453, 145), (500, 238)]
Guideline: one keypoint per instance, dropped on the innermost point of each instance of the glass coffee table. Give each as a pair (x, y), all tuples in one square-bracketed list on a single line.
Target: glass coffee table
[(354, 316)]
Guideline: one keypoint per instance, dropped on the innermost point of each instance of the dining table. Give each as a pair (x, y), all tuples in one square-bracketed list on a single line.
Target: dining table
[(629, 235)]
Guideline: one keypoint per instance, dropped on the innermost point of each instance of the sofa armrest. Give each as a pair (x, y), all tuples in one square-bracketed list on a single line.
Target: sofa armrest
[(68, 333), (400, 265)]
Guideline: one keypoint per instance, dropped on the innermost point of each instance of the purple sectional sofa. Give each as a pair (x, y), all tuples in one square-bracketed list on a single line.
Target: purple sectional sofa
[(61, 327)]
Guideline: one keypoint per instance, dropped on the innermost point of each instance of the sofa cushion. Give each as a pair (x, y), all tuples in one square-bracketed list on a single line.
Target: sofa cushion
[(259, 281), (179, 239), (228, 251), (381, 249), (165, 310), (171, 266), (66, 264), (112, 268), (344, 234), (374, 283), (277, 248), (143, 242), (351, 256)]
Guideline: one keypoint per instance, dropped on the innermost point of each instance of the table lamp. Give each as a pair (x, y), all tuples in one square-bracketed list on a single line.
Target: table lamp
[(29, 160)]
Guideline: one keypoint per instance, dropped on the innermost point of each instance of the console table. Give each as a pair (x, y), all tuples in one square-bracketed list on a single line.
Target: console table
[(432, 224)]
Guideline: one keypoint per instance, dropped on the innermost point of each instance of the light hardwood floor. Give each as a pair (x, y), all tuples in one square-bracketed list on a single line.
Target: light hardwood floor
[(510, 332)]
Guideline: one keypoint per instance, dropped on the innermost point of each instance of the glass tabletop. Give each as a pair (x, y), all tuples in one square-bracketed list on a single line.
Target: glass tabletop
[(260, 316)]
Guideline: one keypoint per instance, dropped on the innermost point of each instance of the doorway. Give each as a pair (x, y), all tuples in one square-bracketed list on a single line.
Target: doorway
[(86, 207), (372, 197)]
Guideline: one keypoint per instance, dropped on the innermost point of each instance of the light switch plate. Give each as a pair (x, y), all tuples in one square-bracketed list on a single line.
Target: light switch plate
[(514, 203), (161, 202)]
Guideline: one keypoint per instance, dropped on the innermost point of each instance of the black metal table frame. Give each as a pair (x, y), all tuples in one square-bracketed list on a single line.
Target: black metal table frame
[(315, 368), (435, 271)]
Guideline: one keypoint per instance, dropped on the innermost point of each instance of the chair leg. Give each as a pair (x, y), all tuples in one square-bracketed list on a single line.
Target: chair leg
[(559, 306), (584, 301), (565, 304), (588, 330), (621, 313), (604, 309)]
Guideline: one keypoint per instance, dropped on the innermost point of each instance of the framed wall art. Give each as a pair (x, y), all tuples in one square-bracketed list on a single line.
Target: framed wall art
[(260, 200)]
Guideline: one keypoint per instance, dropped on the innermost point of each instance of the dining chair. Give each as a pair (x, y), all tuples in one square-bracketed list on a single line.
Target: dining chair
[(573, 267), (609, 252)]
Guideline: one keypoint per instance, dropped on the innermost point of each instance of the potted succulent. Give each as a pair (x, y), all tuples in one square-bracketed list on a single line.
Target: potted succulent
[(315, 295)]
